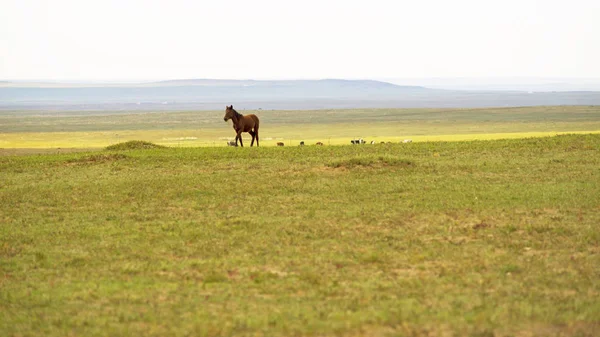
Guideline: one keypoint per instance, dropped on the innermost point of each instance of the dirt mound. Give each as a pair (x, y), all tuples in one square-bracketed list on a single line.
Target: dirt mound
[(134, 145)]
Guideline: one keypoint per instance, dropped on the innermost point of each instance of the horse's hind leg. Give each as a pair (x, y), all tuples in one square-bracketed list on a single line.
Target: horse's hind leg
[(256, 133), (252, 134)]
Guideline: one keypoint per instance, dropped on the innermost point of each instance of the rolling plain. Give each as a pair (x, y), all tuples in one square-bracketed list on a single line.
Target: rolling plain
[(487, 224)]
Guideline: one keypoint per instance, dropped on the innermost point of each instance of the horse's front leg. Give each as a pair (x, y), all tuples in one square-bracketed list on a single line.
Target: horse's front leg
[(239, 135)]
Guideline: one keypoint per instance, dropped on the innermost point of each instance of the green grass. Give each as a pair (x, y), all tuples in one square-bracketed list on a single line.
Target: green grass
[(474, 238)]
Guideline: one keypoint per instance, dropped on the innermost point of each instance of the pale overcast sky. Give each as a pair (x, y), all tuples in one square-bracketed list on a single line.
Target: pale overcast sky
[(145, 39)]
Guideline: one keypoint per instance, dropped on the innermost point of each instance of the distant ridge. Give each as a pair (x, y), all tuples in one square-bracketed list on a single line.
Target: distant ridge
[(224, 82), (204, 90), (184, 94), (210, 83)]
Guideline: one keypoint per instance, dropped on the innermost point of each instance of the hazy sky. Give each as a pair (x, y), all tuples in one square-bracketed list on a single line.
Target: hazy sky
[(145, 39)]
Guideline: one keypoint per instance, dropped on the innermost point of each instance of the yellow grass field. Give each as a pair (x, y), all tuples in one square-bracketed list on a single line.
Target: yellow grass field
[(193, 138), (331, 127)]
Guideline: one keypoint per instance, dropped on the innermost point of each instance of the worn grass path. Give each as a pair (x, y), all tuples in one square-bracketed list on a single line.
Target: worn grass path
[(437, 238)]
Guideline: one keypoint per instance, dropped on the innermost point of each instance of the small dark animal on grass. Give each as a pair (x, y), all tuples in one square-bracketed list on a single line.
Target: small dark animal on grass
[(357, 141), (302, 143), (241, 124), (279, 143), (319, 143), (231, 143)]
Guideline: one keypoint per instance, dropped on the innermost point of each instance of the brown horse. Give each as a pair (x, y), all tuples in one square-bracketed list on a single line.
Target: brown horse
[(241, 124)]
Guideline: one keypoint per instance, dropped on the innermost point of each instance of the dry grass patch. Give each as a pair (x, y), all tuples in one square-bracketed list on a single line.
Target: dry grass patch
[(97, 159), (371, 162)]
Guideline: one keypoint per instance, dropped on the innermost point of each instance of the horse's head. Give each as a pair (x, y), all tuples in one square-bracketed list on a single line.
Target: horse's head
[(229, 112)]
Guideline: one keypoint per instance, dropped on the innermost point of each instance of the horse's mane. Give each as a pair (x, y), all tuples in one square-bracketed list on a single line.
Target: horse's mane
[(237, 114)]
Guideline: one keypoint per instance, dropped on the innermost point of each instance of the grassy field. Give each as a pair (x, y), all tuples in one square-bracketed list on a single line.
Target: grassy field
[(26, 129), (470, 238)]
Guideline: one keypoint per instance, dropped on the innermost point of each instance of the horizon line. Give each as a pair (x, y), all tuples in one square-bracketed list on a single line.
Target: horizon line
[(382, 79)]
